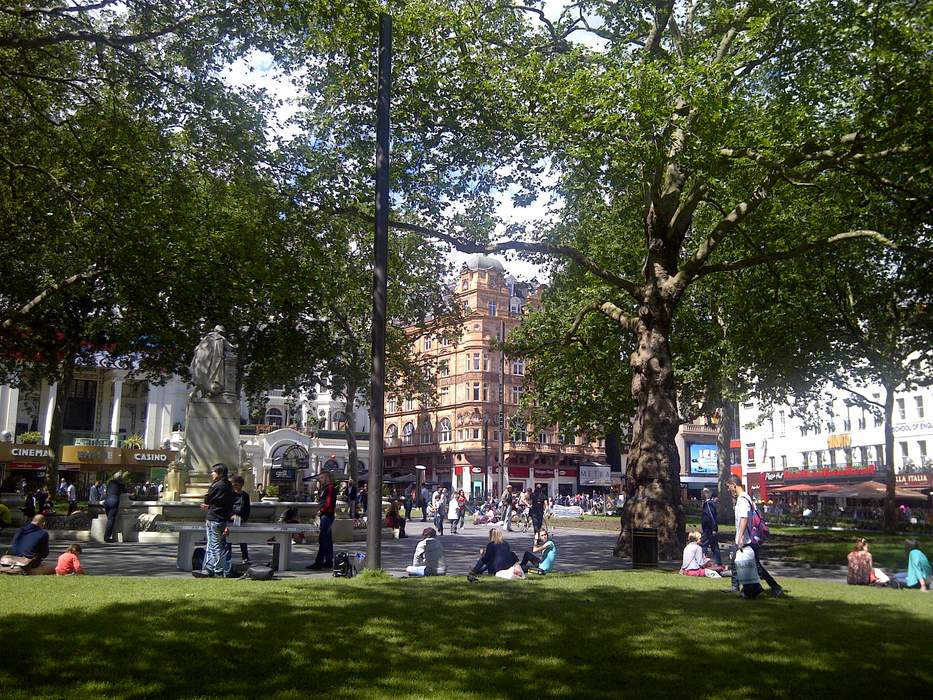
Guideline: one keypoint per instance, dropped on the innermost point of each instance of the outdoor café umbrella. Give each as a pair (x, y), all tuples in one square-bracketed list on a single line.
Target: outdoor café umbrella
[(874, 491)]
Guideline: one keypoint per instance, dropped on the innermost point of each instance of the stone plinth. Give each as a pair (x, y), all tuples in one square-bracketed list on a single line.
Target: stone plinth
[(212, 435)]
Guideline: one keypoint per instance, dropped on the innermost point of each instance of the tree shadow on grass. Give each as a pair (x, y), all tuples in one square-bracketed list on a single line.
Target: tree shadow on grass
[(598, 636)]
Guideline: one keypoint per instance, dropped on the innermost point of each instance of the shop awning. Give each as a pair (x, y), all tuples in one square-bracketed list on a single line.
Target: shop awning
[(806, 488), (874, 491)]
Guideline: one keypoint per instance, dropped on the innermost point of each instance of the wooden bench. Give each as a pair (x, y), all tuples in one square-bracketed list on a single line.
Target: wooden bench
[(279, 535)]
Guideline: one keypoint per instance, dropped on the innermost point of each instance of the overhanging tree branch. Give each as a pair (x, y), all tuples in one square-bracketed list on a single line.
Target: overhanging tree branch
[(774, 256), (25, 309)]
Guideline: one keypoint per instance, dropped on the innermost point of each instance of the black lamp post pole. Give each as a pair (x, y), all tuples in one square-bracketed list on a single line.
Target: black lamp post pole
[(377, 423)]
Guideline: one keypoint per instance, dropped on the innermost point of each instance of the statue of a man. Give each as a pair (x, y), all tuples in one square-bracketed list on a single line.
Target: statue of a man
[(209, 365)]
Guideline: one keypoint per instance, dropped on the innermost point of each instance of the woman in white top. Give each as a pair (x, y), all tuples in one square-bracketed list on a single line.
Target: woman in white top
[(694, 561), (453, 515)]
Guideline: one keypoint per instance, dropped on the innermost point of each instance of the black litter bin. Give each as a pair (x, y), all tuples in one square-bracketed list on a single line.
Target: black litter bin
[(645, 547)]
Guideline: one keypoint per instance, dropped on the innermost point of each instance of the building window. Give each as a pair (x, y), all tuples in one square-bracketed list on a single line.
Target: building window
[(444, 430), (783, 461), (517, 393), (830, 427), (485, 391), (771, 427), (492, 308), (465, 284), (444, 368), (445, 395), (426, 433), (475, 432), (904, 451), (918, 403), (408, 434), (391, 435), (862, 422), (878, 420), (772, 460), (475, 360), (445, 342), (518, 430), (460, 435), (518, 367), (466, 308), (783, 423), (901, 409), (476, 391), (409, 404), (922, 444), (542, 438), (428, 343), (485, 362)]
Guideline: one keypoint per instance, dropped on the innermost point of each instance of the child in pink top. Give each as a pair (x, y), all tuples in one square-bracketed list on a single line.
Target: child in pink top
[(68, 563)]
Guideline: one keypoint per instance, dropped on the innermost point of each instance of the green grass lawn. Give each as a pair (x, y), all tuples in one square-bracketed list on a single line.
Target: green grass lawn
[(601, 635)]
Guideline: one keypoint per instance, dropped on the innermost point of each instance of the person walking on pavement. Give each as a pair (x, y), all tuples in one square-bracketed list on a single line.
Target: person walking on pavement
[(439, 501), (425, 501), (538, 505), (709, 524), (744, 508), (115, 489), (71, 493), (325, 550), (508, 500)]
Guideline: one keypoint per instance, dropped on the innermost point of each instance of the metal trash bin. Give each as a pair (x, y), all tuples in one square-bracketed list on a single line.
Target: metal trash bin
[(645, 547)]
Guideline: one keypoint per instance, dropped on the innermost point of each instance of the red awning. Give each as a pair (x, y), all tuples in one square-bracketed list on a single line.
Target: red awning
[(805, 488)]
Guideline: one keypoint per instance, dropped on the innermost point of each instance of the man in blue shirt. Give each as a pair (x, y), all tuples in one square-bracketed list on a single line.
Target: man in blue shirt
[(32, 541)]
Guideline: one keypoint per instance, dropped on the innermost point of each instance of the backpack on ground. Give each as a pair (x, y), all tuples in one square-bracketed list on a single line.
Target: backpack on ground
[(343, 566), (197, 559), (260, 573), (758, 530)]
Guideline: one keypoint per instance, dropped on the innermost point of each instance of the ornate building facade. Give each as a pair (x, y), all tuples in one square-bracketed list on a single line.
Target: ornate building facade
[(456, 439)]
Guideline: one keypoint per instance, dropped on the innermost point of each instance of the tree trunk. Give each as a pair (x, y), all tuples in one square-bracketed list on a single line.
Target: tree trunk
[(58, 420), (725, 511), (653, 468), (349, 428), (890, 507)]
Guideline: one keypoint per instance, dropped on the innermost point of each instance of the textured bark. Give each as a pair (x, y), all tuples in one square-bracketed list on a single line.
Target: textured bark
[(653, 468)]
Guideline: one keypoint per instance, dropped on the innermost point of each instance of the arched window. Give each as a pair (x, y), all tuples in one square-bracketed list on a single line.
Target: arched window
[(392, 436), (408, 434), (444, 429), (427, 434), (274, 417)]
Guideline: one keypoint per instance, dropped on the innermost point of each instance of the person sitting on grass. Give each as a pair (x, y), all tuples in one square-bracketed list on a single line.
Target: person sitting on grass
[(693, 563), (862, 570), (31, 541), (542, 555), (495, 556), (918, 574), (394, 520), (68, 563), (429, 556)]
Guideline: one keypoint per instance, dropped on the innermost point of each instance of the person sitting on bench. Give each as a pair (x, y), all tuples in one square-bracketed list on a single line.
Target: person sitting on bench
[(31, 541)]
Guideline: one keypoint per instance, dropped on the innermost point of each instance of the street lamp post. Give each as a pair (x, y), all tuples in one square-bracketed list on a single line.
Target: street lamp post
[(485, 446)]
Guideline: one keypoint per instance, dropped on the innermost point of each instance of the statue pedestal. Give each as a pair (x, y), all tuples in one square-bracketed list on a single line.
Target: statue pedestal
[(212, 435)]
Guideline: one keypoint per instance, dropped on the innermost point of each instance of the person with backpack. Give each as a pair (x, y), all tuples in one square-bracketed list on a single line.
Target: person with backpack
[(709, 525), (750, 531)]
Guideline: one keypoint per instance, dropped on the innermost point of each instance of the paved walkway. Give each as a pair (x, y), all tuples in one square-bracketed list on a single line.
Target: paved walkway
[(578, 550)]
